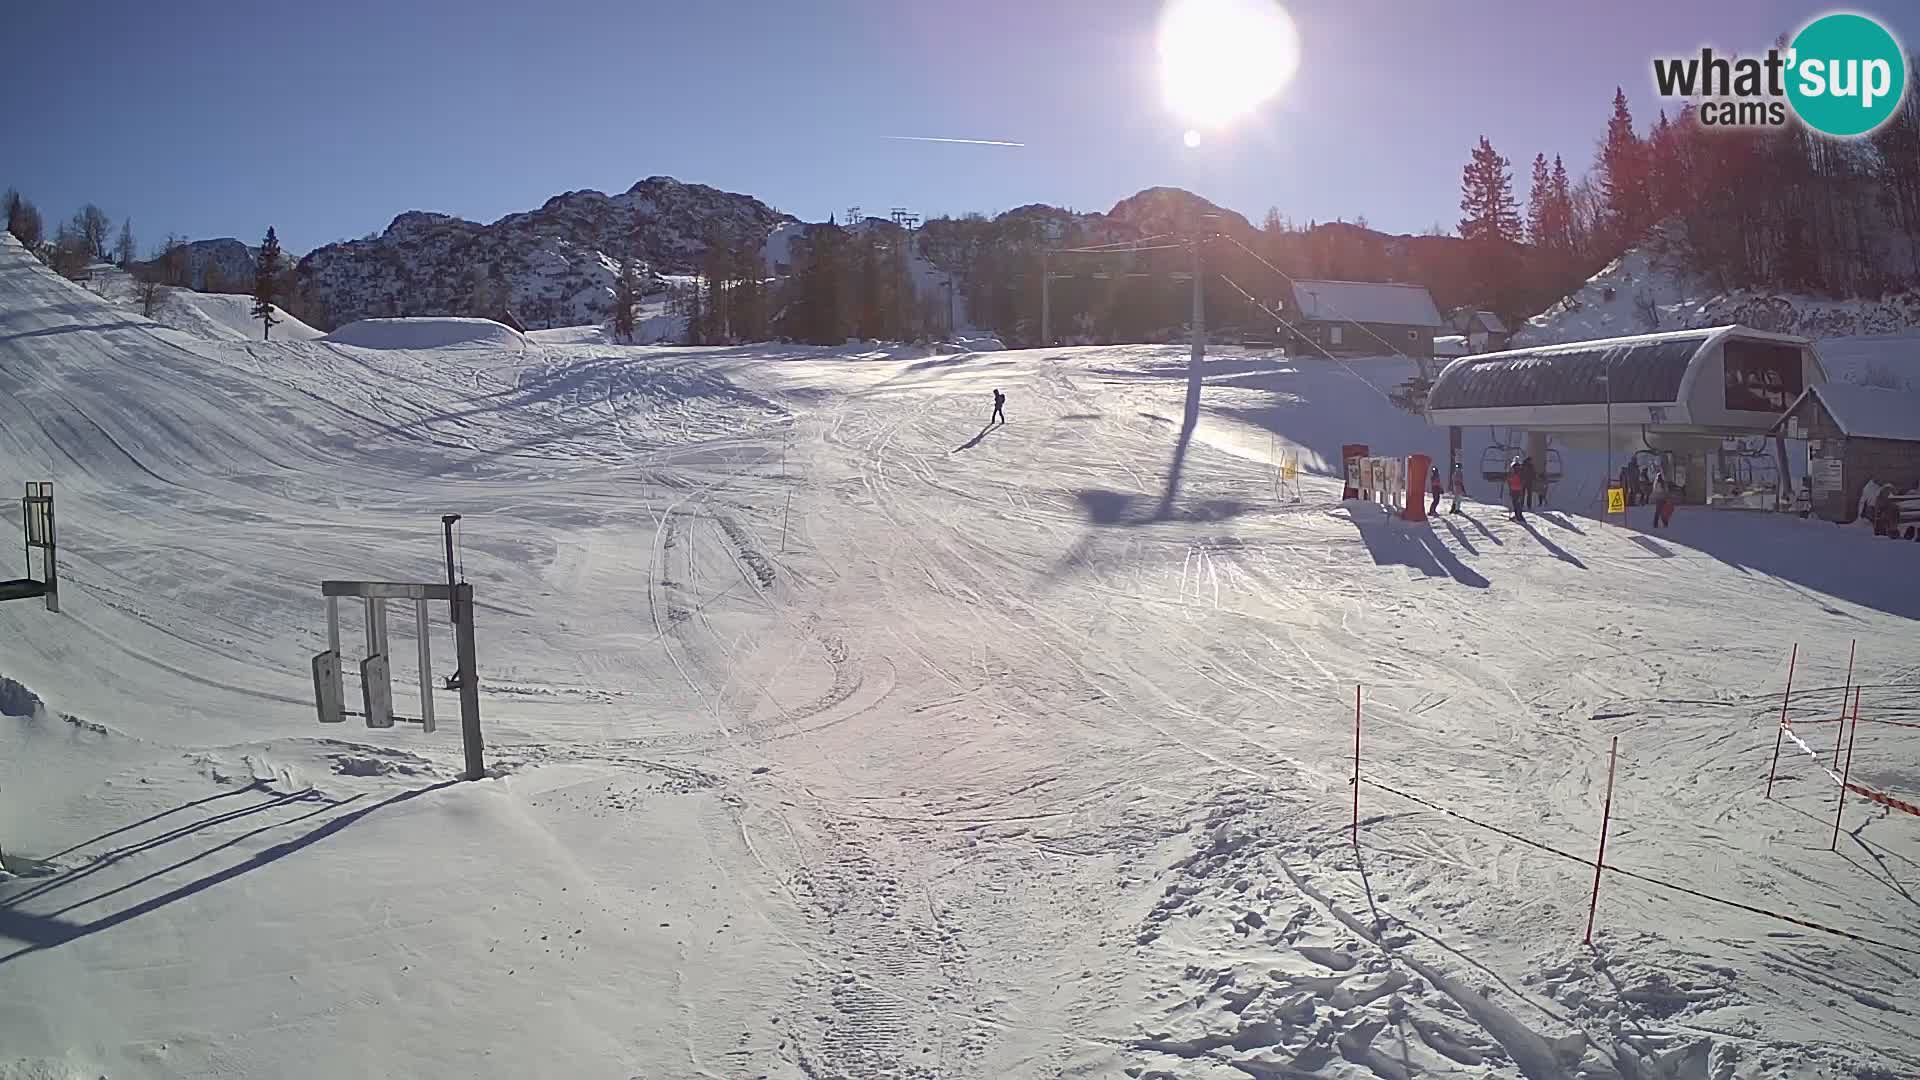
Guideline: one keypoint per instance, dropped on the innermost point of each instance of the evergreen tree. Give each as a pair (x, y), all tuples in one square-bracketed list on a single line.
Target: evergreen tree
[(1539, 204), (1623, 177), (696, 314), (123, 251), (750, 303), (1486, 197), (266, 278), (626, 293), (1560, 234), (23, 220), (870, 324)]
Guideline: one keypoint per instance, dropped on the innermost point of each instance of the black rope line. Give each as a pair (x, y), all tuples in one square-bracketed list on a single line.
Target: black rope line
[(1550, 849)]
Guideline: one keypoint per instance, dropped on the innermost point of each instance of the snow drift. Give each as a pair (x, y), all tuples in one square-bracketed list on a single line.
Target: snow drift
[(428, 333)]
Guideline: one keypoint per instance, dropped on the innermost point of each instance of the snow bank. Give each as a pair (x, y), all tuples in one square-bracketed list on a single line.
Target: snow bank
[(1648, 289), (428, 333), (227, 316)]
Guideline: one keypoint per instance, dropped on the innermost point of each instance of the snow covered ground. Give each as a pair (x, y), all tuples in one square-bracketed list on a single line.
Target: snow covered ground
[(834, 734)]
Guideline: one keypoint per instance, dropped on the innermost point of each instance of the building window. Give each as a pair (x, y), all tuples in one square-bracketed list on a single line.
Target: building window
[(1333, 335), (1762, 376), (1413, 335)]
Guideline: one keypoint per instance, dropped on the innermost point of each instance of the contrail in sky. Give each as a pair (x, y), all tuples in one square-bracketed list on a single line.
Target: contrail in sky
[(969, 142)]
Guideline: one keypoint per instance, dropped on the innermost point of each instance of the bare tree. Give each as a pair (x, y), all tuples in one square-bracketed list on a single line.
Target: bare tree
[(70, 251), (174, 261), (93, 227), (149, 291), (123, 251)]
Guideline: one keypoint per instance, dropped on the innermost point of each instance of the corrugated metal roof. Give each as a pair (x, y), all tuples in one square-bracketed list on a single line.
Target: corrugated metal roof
[(1641, 370), (1870, 412), (1367, 302)]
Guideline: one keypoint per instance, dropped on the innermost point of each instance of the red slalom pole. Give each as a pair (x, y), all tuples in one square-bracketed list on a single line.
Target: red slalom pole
[(1606, 815), (1782, 733), (1843, 702), (1356, 764), (1842, 805)]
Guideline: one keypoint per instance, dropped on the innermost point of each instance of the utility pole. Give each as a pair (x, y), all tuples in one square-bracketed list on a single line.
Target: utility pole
[(1199, 306)]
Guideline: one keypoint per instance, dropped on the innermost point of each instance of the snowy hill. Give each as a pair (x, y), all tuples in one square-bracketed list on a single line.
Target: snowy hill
[(555, 265), (1647, 290), (428, 333), (831, 732)]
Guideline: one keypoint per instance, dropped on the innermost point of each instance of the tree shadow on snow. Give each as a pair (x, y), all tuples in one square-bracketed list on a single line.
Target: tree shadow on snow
[(47, 929), (1120, 508), (1392, 542)]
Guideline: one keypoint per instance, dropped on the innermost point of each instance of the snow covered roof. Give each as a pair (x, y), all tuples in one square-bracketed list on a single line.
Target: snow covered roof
[(1450, 345), (1490, 322), (1868, 412), (1366, 301), (1642, 369)]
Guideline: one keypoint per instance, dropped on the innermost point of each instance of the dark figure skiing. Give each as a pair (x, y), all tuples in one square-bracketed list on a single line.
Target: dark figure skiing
[(1433, 487), (999, 404), (1516, 489)]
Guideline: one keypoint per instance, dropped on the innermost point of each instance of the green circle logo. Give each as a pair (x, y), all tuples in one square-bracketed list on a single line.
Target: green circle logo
[(1846, 74)]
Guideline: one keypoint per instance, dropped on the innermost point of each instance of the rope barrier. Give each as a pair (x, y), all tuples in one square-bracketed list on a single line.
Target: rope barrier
[(1749, 908)]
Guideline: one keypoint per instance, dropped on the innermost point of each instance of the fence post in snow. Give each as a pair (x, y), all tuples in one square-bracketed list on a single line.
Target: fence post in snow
[(1842, 804), (1356, 764), (1781, 732), (1600, 860), (1843, 702)]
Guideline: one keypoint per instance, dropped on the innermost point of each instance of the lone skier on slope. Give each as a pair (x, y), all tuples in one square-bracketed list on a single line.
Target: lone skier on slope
[(999, 403)]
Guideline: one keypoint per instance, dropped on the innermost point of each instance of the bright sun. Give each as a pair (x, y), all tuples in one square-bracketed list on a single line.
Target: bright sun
[(1220, 59)]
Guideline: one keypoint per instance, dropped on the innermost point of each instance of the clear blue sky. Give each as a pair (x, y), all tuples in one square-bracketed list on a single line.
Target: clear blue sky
[(327, 119)]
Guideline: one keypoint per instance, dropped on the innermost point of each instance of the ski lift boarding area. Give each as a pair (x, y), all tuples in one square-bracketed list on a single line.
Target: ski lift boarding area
[(1689, 398)]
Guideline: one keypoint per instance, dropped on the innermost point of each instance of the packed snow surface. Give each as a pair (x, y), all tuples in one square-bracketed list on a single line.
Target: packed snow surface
[(834, 733), (438, 332)]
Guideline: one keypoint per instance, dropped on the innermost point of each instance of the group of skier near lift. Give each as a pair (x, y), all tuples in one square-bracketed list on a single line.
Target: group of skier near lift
[(1523, 485), (1523, 488)]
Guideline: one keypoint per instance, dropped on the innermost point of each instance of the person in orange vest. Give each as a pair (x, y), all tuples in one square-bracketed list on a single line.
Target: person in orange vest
[(1517, 488)]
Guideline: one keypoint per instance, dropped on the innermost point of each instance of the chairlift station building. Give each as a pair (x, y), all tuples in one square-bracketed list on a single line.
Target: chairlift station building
[(1680, 395)]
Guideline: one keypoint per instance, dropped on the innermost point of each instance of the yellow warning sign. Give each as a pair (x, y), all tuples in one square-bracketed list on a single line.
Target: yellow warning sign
[(1616, 499)]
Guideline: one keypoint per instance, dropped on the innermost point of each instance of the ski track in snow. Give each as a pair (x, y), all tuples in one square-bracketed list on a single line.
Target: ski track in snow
[(835, 735)]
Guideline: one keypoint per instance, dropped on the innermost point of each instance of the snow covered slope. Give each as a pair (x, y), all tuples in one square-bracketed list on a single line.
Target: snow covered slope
[(1646, 290), (223, 315), (833, 734)]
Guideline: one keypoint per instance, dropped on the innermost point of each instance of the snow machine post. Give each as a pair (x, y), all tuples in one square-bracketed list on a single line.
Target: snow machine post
[(375, 671), (1781, 733), (1600, 860), (1356, 764), (37, 525), (1841, 806), (1851, 646)]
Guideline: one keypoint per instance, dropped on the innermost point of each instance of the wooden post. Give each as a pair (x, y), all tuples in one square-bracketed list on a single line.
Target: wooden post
[(1842, 804), (1356, 764), (1782, 731), (1606, 815), (1841, 729)]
